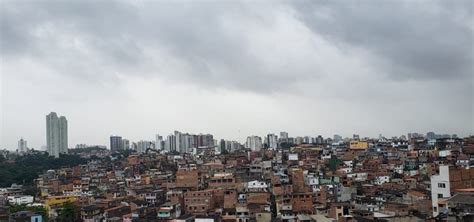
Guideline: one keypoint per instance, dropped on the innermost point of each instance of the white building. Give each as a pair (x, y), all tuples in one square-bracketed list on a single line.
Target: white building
[(158, 142), (125, 144), (142, 146), (272, 141), (379, 180), (440, 189), (170, 143), (283, 137), (254, 143), (56, 134), (22, 146), (256, 186), (20, 199)]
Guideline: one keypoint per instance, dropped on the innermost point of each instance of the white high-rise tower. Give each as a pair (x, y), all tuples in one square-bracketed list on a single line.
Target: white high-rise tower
[(56, 134), (22, 146)]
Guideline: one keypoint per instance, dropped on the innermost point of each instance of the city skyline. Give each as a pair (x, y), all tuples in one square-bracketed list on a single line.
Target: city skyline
[(235, 69), (117, 142)]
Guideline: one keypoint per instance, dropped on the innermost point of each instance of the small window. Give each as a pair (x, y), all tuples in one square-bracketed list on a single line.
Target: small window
[(441, 185), (440, 195)]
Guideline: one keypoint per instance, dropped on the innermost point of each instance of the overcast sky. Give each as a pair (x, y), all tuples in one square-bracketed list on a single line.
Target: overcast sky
[(235, 68)]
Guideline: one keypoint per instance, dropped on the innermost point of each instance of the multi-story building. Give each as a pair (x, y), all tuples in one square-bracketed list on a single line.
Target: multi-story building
[(22, 145), (170, 143), (56, 134), (272, 141), (125, 144), (143, 145), (254, 143), (284, 137), (159, 142), (116, 143), (449, 181)]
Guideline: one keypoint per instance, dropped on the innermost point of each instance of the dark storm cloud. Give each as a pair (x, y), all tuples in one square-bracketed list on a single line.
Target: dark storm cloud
[(98, 39), (411, 39), (308, 67)]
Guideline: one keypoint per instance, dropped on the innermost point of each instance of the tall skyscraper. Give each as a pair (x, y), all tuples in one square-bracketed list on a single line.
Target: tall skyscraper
[(272, 141), (56, 134), (254, 143), (142, 146), (159, 142), (125, 144), (116, 143), (22, 146), (179, 145), (170, 144)]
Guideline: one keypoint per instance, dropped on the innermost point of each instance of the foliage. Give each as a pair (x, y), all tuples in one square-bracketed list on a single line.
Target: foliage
[(67, 213), (334, 163), (35, 209), (286, 146), (87, 149), (24, 169)]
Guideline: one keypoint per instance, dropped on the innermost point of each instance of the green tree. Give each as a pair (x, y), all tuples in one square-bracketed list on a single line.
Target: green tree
[(67, 213), (35, 209)]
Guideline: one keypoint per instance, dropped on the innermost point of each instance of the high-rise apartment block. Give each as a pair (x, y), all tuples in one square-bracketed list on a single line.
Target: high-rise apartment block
[(22, 146), (56, 134), (116, 143), (272, 141), (254, 143)]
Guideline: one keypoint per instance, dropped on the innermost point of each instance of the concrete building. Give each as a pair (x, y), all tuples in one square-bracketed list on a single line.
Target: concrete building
[(56, 134), (116, 143), (142, 146), (440, 188), (272, 141), (283, 137), (449, 181), (159, 142), (125, 144), (254, 143), (170, 143), (22, 146)]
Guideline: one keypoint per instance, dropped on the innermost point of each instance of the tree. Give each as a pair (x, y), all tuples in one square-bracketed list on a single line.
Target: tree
[(35, 209), (67, 212), (333, 163)]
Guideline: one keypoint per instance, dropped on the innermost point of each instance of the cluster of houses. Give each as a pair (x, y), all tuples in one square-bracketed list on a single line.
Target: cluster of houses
[(357, 180)]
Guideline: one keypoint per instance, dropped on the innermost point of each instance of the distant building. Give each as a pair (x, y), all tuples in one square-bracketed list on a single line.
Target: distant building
[(22, 146), (283, 137), (159, 142), (170, 143), (142, 146), (81, 146), (125, 144), (254, 143), (446, 183), (272, 141), (358, 145), (205, 140), (56, 134), (116, 143)]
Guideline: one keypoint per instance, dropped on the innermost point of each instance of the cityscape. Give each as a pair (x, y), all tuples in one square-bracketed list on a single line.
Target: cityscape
[(236, 111), (196, 177)]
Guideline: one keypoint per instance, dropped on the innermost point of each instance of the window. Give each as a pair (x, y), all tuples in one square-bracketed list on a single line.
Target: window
[(440, 195), (441, 185)]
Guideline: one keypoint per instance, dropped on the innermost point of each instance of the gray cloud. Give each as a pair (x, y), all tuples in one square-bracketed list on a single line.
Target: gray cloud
[(324, 55), (409, 40)]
